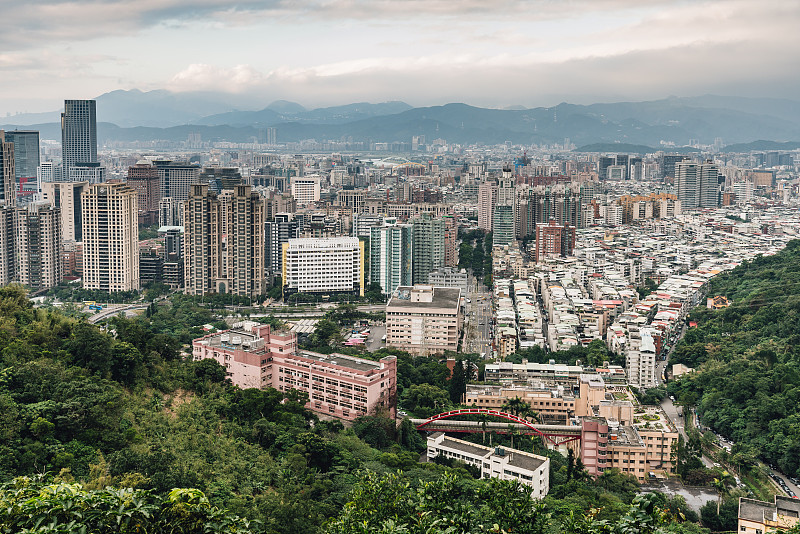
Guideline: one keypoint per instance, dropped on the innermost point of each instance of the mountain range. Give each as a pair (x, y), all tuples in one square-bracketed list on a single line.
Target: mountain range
[(161, 115)]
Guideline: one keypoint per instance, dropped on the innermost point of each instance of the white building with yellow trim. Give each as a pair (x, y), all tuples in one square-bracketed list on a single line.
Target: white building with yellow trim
[(323, 265)]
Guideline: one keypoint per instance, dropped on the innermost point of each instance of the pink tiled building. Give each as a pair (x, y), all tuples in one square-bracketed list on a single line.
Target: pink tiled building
[(337, 385)]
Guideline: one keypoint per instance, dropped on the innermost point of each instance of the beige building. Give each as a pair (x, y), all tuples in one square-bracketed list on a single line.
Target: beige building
[(760, 517), (224, 241), (110, 237), (66, 196), (37, 246), (8, 180), (424, 320)]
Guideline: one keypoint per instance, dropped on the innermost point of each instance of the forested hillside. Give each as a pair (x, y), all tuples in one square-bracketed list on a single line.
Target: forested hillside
[(113, 431), (747, 356)]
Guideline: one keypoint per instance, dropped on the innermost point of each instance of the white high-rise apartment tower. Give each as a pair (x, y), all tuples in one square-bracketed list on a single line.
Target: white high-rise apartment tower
[(110, 238)]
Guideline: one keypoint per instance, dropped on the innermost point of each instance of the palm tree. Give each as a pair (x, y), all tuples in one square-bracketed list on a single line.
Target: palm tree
[(515, 406), (721, 484)]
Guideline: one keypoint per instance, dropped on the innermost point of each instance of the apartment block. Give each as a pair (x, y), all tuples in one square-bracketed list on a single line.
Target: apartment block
[(37, 246), (498, 462), (306, 189), (336, 384), (424, 320), (7, 171), (66, 196), (761, 517), (110, 237), (176, 179), (390, 255), (323, 265), (143, 178), (224, 242), (487, 200)]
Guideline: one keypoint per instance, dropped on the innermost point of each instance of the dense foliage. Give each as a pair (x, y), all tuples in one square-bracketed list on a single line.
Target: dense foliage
[(118, 417), (747, 356)]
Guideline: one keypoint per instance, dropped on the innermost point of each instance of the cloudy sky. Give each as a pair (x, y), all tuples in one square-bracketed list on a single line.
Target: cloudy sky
[(426, 52)]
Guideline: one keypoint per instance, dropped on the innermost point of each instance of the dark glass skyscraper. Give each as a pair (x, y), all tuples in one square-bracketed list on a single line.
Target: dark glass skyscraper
[(26, 160), (78, 133)]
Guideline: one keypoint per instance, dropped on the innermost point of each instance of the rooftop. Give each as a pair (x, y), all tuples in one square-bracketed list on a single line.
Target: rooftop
[(357, 364), (525, 460), (442, 297)]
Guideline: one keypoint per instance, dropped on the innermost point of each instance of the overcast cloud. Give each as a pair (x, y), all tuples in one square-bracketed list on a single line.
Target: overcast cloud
[(425, 52)]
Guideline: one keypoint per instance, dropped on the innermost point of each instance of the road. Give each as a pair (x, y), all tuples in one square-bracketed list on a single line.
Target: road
[(478, 337), (678, 420), (114, 309)]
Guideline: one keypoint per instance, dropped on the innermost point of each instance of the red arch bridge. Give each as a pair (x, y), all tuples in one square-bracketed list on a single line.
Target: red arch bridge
[(445, 422)]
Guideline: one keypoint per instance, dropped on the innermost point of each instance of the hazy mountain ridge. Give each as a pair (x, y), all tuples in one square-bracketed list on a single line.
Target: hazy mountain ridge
[(155, 115)]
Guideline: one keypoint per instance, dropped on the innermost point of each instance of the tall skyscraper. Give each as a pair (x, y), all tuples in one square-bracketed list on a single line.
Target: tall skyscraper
[(66, 196), (8, 268), (278, 231), (176, 179), (697, 184), (143, 178), (487, 200), (427, 246), (110, 238), (37, 245), (503, 219), (503, 227), (26, 162), (390, 255), (78, 134), (224, 242), (7, 171)]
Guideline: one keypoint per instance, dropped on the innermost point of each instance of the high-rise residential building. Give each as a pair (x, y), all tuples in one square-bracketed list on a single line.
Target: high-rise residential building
[(8, 268), (245, 243), (66, 196), (603, 164), (202, 253), (94, 173), (143, 178), (224, 242), (697, 184), (427, 246), (7, 171), (390, 255), (487, 200), (278, 231), (503, 227), (306, 189), (37, 245), (424, 320), (26, 162), (170, 212), (323, 265), (176, 178), (48, 171), (78, 134), (220, 178), (110, 238), (450, 241), (667, 164), (506, 188), (554, 240)]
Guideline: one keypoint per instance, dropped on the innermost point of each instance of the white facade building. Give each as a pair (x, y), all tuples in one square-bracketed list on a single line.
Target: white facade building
[(306, 189), (506, 464), (323, 265)]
